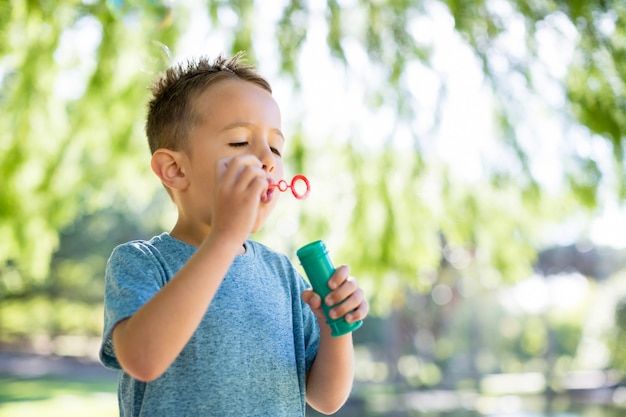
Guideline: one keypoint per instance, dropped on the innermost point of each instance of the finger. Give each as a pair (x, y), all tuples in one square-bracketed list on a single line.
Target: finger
[(235, 166), (245, 160), (252, 180), (359, 313), (348, 305), (311, 298), (347, 288), (339, 276), (221, 166)]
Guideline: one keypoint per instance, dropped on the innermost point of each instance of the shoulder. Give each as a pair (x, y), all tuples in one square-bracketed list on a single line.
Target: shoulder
[(261, 253), (144, 262), (143, 245), (140, 253), (259, 249), (156, 246), (133, 249)]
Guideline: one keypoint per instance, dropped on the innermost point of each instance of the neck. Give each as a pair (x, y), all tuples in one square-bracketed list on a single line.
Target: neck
[(195, 235)]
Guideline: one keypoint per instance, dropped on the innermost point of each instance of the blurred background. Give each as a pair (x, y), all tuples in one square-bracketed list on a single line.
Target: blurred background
[(466, 159)]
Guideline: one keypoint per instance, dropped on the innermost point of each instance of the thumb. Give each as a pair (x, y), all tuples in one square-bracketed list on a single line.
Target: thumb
[(311, 298)]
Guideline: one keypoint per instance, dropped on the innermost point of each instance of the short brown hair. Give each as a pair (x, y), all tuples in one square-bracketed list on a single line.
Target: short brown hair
[(171, 113)]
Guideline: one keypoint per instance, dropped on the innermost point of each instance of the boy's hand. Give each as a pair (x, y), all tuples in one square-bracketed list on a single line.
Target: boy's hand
[(345, 291), (241, 181)]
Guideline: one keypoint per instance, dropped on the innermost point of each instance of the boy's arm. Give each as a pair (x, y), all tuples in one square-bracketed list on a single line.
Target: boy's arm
[(148, 342), (329, 381)]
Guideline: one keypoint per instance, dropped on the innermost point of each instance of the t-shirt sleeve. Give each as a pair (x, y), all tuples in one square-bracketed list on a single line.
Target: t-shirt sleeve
[(132, 277), (311, 328)]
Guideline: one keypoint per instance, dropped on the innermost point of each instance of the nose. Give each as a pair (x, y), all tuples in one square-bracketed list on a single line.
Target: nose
[(266, 156)]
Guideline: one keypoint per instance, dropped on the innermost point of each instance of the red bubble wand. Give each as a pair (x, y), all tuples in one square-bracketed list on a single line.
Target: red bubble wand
[(283, 186)]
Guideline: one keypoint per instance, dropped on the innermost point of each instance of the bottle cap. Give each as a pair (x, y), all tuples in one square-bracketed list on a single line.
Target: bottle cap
[(311, 251)]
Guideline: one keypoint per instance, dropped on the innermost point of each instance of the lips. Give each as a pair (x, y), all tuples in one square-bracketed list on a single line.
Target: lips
[(266, 197)]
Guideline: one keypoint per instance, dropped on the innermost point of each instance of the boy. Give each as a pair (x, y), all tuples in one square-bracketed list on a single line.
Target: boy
[(201, 320)]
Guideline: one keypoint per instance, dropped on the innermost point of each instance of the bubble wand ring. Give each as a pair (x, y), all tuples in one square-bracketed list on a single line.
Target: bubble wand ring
[(283, 186)]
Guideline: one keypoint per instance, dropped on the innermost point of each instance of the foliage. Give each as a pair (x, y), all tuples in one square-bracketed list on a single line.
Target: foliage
[(73, 96), (73, 79), (619, 336), (69, 301)]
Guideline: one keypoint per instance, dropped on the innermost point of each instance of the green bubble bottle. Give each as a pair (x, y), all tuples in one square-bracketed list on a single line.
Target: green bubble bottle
[(319, 268)]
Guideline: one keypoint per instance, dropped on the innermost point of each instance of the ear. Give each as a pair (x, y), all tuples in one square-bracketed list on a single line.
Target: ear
[(168, 166)]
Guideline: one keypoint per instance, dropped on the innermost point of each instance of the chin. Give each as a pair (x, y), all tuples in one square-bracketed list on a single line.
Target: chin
[(261, 218), (258, 224)]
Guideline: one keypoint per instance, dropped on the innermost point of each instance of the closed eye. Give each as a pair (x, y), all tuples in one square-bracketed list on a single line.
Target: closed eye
[(244, 143), (238, 144)]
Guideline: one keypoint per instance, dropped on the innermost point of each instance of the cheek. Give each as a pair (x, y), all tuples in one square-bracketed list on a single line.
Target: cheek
[(205, 183), (279, 171)]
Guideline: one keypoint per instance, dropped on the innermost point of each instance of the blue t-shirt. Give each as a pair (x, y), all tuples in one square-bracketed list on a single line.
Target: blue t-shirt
[(251, 352)]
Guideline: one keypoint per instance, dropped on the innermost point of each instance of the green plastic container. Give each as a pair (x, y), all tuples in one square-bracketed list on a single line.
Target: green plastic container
[(319, 268)]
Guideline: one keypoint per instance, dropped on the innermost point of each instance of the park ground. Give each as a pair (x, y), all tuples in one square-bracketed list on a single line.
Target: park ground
[(54, 386)]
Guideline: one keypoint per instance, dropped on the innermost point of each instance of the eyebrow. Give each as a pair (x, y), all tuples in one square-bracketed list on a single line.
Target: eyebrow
[(247, 125)]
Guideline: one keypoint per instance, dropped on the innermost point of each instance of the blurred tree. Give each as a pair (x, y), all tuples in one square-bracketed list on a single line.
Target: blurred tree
[(72, 100), (73, 79), (70, 300), (618, 337)]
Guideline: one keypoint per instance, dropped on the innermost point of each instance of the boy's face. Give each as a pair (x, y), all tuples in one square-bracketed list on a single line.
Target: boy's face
[(238, 118)]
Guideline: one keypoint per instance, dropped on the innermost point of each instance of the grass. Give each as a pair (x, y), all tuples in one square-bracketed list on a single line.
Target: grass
[(57, 397), (79, 397)]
